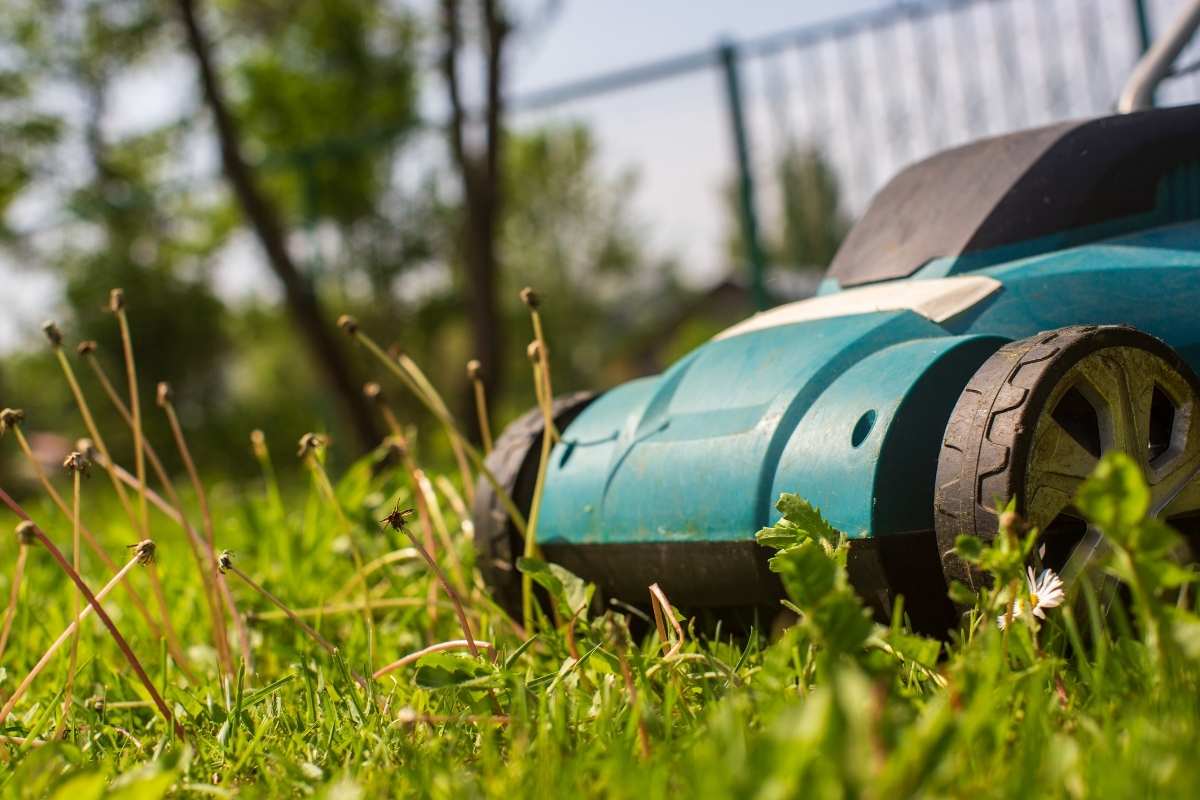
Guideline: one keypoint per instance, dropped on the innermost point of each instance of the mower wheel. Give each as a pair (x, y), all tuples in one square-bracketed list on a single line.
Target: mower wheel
[(1033, 423), (514, 462)]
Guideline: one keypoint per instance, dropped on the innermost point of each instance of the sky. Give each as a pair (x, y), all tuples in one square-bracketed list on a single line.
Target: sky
[(576, 39), (674, 135)]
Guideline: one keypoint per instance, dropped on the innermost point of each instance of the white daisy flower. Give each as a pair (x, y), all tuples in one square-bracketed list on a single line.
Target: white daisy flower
[(1046, 591)]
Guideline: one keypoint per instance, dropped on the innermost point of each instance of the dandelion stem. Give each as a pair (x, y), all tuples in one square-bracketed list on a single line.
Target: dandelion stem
[(101, 613), (196, 545), (69, 632), (210, 571), (14, 595), (440, 647), (134, 596), (117, 303), (474, 370), (345, 608), (448, 422), (77, 476), (228, 565), (538, 356), (89, 424), (326, 487), (453, 595), (439, 522)]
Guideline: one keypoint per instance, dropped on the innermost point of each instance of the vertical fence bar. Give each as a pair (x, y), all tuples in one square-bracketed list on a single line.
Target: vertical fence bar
[(727, 52), (1142, 15)]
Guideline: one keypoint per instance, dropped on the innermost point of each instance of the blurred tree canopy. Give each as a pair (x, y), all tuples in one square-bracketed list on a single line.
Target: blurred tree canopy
[(326, 98)]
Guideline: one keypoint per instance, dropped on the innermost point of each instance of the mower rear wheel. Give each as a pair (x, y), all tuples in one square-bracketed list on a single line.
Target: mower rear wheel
[(514, 462), (1033, 423)]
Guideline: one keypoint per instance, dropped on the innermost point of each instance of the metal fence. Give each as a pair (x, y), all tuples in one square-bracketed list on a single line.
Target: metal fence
[(870, 92)]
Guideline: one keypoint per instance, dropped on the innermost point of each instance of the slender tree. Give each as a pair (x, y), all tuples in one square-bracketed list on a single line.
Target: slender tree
[(264, 219), (479, 170)]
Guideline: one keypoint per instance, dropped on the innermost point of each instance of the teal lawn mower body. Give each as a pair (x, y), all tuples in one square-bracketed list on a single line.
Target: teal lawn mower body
[(845, 398)]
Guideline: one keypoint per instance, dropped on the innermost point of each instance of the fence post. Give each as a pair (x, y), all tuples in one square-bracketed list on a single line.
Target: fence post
[(1143, 25), (727, 52), (1142, 16)]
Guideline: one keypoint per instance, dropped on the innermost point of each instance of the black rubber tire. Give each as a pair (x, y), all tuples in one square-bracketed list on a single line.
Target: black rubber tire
[(985, 451), (513, 461)]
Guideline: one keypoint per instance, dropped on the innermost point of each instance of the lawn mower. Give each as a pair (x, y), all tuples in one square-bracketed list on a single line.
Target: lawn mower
[(1003, 314)]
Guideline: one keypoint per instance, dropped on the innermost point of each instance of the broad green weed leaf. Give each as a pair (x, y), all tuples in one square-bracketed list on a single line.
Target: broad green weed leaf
[(572, 593), (969, 548), (439, 670), (807, 572), (806, 517), (1115, 497)]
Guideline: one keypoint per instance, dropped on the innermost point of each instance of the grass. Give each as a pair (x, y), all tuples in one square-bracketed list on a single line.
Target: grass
[(461, 701)]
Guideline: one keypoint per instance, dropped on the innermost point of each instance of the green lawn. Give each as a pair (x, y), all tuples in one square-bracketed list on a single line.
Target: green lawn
[(830, 704)]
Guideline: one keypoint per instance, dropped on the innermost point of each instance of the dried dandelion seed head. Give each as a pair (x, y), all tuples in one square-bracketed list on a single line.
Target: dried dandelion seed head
[(474, 369), (11, 418), (76, 462), (395, 447), (531, 298), (1011, 521), (258, 443), (86, 347), (373, 391), (534, 351), (88, 448), (26, 532), (225, 561), (144, 551), (310, 443), (116, 300), (165, 395), (50, 328), (348, 324)]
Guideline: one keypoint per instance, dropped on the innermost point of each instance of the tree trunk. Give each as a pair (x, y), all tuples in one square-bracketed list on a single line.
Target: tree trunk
[(301, 298), (480, 176)]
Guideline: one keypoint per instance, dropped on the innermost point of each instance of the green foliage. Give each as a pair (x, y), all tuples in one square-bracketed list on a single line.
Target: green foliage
[(834, 705)]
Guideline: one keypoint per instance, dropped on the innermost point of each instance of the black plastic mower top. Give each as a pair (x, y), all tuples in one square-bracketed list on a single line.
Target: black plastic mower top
[(1016, 188)]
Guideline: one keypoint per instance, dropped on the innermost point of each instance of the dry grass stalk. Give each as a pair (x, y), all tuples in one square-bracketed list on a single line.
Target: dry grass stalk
[(24, 540), (537, 357), (76, 464), (374, 392), (440, 647), (310, 453), (89, 422), (347, 324), (116, 304), (173, 514), (212, 574), (435, 511), (475, 375), (459, 610), (55, 338), (543, 387), (458, 443), (662, 609), (15, 417), (212, 593), (143, 548), (262, 454), (70, 632), (334, 609), (225, 561), (403, 554)]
